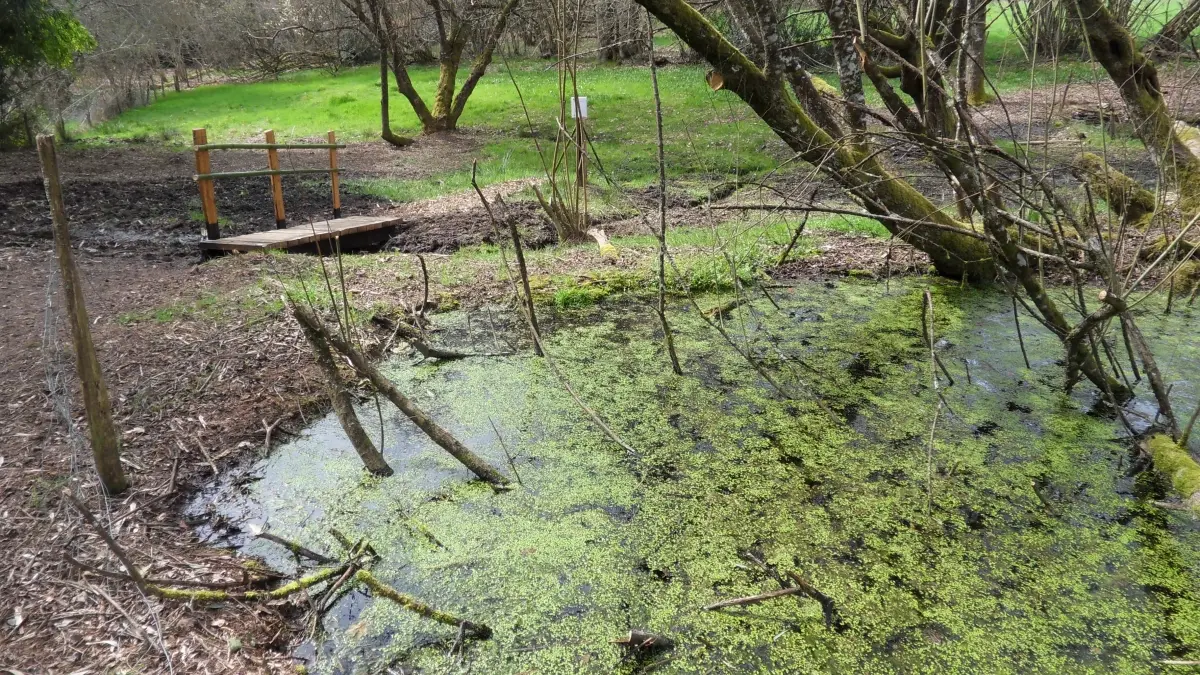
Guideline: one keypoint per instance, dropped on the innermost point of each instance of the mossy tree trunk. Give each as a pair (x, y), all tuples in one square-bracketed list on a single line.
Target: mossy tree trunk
[(386, 132), (954, 251), (850, 75), (1171, 37), (1137, 80), (955, 246)]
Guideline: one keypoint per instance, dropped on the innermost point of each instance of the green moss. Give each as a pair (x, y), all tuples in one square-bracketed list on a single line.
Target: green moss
[(969, 571), (1178, 466)]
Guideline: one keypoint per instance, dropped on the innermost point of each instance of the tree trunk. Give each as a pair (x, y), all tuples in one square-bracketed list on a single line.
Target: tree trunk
[(844, 26), (482, 61), (976, 45), (1169, 40), (386, 123), (954, 252), (443, 99), (1137, 80), (343, 404), (106, 447), (29, 139), (405, 86)]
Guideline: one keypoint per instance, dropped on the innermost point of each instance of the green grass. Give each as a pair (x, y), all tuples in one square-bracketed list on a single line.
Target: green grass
[(706, 133), (849, 225), (709, 136)]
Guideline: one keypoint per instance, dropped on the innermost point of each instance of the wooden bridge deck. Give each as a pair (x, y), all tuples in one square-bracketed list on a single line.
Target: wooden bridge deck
[(298, 236)]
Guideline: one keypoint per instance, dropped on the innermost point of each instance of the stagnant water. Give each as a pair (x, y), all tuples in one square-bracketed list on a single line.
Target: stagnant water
[(1025, 540)]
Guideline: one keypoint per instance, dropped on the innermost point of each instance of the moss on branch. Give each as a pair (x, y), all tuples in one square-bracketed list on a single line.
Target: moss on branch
[(1178, 466)]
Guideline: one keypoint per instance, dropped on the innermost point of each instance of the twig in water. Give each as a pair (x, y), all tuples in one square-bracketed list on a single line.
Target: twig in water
[(927, 330), (511, 464), (1187, 431), (297, 549), (1020, 337), (668, 338), (530, 314), (753, 599), (537, 339)]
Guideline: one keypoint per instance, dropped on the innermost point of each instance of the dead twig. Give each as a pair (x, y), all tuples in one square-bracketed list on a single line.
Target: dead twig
[(297, 549), (754, 599)]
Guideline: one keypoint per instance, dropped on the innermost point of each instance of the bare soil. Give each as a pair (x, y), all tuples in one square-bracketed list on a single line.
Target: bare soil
[(142, 201)]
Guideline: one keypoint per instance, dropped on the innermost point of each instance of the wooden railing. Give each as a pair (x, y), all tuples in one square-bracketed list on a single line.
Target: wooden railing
[(205, 176)]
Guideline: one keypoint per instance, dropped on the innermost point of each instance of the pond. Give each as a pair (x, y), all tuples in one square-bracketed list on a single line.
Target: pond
[(1022, 538)]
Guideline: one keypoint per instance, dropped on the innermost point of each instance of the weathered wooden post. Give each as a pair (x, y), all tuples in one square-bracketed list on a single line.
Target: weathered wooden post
[(208, 195), (276, 181), (333, 175), (104, 439)]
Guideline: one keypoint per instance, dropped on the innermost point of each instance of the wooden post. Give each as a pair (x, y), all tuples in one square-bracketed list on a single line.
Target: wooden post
[(104, 439), (208, 195), (276, 181), (333, 176)]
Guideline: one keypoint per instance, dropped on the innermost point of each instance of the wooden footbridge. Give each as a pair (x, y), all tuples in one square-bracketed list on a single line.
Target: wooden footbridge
[(349, 232)]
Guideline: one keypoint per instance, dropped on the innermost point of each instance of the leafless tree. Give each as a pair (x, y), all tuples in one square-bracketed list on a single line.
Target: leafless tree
[(458, 24), (919, 49)]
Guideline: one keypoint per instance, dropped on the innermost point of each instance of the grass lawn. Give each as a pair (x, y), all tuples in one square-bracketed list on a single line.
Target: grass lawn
[(710, 136), (707, 133)]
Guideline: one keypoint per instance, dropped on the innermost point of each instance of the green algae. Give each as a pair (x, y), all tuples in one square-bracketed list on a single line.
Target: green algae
[(1027, 551)]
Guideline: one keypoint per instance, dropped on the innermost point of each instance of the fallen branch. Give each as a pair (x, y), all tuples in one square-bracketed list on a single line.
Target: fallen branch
[(213, 595), (297, 549), (343, 404), (1174, 462), (828, 607), (410, 603), (385, 386), (119, 552), (754, 599), (414, 337)]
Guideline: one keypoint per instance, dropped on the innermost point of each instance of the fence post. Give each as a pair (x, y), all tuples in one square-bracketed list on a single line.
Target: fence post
[(333, 176), (276, 181), (208, 195), (105, 441)]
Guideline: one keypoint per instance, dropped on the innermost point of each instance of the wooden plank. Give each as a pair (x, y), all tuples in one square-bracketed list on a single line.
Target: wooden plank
[(266, 146), (299, 235), (276, 181), (260, 172)]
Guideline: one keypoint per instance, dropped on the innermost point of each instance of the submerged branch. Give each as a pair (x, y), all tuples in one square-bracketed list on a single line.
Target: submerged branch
[(385, 386)]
